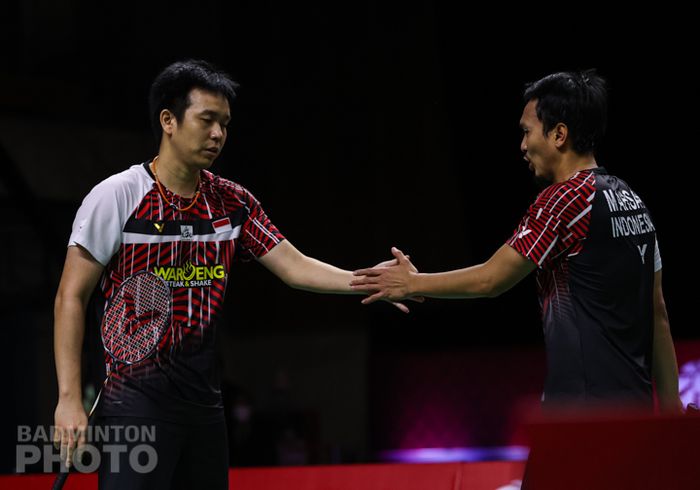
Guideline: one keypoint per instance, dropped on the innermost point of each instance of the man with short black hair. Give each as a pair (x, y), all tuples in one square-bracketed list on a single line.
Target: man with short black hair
[(172, 217), (594, 246)]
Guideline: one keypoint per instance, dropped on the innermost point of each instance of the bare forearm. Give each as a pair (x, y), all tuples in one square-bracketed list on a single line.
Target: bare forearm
[(502, 271), (471, 282), (665, 367), (302, 272), (497, 275), (80, 275), (69, 330), (664, 364), (316, 276)]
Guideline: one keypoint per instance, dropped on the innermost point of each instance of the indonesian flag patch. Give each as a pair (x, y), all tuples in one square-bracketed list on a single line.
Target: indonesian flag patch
[(221, 225)]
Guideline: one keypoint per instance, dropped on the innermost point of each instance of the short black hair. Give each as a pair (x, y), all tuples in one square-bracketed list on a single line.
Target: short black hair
[(577, 99), (171, 88)]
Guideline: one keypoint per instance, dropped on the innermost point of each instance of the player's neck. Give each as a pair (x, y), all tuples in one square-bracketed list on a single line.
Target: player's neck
[(175, 175), (575, 163)]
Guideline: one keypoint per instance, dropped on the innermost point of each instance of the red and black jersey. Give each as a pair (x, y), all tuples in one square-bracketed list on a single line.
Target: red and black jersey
[(127, 225), (595, 247)]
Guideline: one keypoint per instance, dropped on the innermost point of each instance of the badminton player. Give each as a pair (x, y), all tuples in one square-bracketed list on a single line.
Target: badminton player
[(593, 243), (172, 217)]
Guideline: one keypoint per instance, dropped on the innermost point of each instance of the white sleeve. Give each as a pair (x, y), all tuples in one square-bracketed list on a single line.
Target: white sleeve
[(99, 222), (657, 257)]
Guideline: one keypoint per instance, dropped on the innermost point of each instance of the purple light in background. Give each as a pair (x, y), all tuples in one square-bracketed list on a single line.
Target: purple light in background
[(689, 382), (455, 454)]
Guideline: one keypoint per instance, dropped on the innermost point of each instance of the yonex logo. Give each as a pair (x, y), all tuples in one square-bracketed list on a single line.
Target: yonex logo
[(524, 232), (642, 249)]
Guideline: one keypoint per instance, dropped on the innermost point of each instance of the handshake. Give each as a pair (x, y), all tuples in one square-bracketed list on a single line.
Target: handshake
[(390, 281)]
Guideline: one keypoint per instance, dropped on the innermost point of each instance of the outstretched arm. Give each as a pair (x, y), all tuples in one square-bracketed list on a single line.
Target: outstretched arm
[(302, 272), (665, 367), (501, 272)]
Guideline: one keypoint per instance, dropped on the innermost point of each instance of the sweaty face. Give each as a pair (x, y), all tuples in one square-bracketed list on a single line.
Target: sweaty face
[(199, 137), (539, 149)]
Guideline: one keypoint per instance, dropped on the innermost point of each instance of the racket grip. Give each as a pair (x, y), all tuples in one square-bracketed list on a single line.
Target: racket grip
[(59, 481)]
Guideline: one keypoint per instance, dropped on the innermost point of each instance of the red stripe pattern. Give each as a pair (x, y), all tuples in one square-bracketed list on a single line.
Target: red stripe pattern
[(553, 230), (557, 223), (200, 271)]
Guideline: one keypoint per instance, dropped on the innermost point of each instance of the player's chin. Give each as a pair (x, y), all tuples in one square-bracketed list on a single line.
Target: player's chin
[(206, 159)]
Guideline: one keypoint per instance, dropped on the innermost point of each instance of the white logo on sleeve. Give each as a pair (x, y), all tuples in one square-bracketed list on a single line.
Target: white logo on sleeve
[(524, 232), (642, 250)]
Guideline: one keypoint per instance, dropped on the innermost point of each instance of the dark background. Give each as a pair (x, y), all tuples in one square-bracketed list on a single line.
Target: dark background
[(358, 126)]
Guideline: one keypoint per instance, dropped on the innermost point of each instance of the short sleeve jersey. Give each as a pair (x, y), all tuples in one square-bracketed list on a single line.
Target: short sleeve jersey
[(127, 225), (594, 243)]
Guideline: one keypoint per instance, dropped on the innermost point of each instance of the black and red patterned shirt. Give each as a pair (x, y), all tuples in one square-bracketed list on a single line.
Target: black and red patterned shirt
[(126, 225), (595, 247)]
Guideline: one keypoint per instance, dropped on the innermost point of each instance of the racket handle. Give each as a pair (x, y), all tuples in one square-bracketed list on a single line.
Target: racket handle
[(59, 481)]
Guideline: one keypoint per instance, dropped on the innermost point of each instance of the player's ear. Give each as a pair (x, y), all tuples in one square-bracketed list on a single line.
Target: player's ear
[(559, 134), (168, 121)]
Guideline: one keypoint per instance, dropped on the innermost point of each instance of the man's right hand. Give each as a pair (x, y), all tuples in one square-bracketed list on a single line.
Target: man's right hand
[(70, 421), (395, 262)]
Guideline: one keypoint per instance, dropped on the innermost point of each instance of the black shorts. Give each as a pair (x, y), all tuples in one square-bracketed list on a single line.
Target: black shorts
[(142, 453)]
